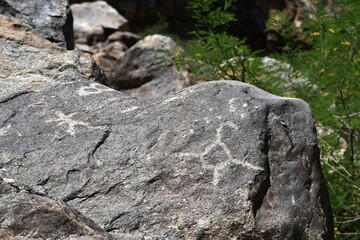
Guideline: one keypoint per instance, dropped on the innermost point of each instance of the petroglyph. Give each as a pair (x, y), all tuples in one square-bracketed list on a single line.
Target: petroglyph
[(232, 107), (8, 180), (168, 100), (66, 119), (4, 130), (218, 167), (130, 109), (93, 88), (207, 120)]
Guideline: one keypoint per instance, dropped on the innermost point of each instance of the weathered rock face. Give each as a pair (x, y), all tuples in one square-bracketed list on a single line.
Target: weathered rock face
[(25, 214), (28, 62), (147, 69), (219, 160), (94, 22), (52, 19)]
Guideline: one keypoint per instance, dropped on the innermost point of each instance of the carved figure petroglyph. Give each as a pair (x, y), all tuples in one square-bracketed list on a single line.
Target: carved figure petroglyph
[(66, 119), (218, 167)]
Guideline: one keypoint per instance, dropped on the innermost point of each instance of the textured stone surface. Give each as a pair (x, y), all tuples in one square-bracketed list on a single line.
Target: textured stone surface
[(221, 160), (29, 62), (52, 19), (147, 69), (25, 214), (94, 21)]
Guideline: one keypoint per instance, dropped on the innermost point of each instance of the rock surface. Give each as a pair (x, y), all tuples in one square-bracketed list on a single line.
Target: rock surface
[(147, 69), (52, 19), (221, 160), (29, 62), (94, 21), (25, 214)]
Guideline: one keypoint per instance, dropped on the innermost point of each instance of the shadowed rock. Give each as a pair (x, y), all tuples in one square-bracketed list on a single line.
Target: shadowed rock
[(25, 214)]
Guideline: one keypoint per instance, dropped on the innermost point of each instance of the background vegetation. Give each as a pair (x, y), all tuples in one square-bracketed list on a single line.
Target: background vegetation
[(327, 76)]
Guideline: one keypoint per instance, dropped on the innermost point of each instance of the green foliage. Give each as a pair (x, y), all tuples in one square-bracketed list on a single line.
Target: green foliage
[(333, 92), (217, 55), (331, 85)]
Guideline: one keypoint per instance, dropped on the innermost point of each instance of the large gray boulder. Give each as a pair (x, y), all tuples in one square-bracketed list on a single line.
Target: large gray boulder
[(147, 71), (52, 19), (218, 160), (221, 160)]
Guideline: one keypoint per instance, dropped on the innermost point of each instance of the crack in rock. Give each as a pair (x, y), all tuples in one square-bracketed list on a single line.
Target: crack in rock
[(19, 94), (98, 145), (12, 115), (265, 183)]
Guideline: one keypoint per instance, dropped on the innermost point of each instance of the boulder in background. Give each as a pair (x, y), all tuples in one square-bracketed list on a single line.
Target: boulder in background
[(147, 70), (95, 21)]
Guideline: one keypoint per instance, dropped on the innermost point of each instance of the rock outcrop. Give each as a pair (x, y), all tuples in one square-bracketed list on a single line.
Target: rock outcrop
[(52, 19), (221, 160)]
